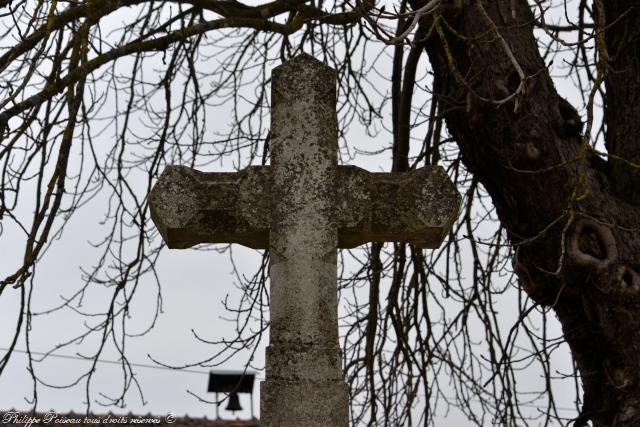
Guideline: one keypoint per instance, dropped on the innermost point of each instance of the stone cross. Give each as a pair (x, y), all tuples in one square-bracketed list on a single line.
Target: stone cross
[(302, 208)]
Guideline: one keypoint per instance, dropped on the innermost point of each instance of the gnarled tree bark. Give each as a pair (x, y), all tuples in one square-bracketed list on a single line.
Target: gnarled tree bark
[(573, 216)]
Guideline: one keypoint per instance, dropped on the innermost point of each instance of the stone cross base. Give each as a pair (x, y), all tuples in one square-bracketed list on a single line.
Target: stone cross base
[(305, 403)]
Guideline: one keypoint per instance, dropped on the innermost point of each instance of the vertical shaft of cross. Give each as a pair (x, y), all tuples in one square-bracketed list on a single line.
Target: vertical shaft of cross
[(304, 235), (304, 385)]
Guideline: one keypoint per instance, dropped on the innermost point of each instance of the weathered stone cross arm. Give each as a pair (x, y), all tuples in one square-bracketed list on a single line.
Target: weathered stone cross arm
[(191, 207)]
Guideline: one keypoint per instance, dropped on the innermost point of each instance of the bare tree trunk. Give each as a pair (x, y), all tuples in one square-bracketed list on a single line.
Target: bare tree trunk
[(622, 112), (573, 216)]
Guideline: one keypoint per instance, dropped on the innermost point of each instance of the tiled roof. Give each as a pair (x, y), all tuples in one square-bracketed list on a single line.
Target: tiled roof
[(13, 418)]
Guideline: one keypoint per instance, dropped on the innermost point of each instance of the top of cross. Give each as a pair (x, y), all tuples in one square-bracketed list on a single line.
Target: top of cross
[(191, 207)]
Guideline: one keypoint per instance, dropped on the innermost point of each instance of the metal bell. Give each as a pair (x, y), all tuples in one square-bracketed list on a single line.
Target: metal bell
[(234, 403)]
